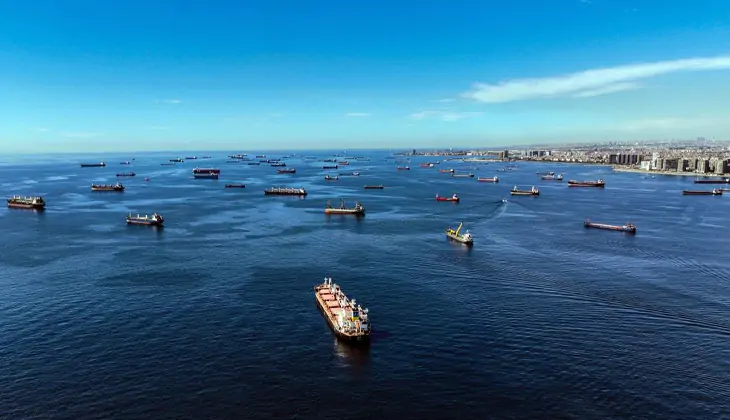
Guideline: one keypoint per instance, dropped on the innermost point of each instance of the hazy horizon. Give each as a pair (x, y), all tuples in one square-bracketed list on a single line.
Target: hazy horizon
[(103, 76)]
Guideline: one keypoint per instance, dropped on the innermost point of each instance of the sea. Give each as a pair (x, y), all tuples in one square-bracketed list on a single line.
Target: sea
[(214, 315)]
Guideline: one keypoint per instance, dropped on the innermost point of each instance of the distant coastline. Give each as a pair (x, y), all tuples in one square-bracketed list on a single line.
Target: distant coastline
[(645, 172)]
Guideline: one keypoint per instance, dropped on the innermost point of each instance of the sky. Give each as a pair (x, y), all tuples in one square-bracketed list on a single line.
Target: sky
[(90, 75)]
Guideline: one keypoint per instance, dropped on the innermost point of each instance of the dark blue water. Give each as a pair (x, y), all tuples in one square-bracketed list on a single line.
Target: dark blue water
[(214, 316)]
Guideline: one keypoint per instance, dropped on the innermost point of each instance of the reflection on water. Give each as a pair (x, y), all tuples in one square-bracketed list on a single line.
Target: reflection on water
[(351, 354)]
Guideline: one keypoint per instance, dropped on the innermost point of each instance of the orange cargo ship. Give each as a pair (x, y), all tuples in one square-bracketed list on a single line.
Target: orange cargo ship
[(348, 320)]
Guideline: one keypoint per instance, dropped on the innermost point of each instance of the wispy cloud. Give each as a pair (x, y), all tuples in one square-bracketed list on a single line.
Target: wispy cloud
[(444, 115), (80, 135), (591, 82), (444, 100), (357, 114), (170, 101), (158, 127)]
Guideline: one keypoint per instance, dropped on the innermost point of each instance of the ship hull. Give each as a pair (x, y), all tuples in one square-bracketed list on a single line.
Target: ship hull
[(488, 180), (284, 193), (129, 174), (360, 339), (374, 187), (524, 193), (460, 239), (701, 192), (107, 189), (586, 184), (143, 222), (206, 176), (345, 211), (26, 206), (93, 165), (235, 186), (712, 181), (610, 227), (455, 200)]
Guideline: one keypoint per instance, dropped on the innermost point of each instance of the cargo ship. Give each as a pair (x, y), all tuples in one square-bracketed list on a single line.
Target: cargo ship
[(177, 160), (457, 236), (285, 191), (462, 175), (331, 178), (100, 187), (358, 210), (348, 320), (445, 171), (93, 165), (374, 187), (206, 171), (235, 186), (599, 184), (18, 202), (286, 171), (712, 181), (426, 165), (154, 220), (404, 168), (531, 191), (277, 164), (714, 191), (454, 198), (206, 175), (126, 174), (191, 158), (628, 227), (330, 167), (558, 177), (492, 179)]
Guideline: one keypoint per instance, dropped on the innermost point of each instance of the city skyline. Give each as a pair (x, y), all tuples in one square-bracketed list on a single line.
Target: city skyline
[(185, 76)]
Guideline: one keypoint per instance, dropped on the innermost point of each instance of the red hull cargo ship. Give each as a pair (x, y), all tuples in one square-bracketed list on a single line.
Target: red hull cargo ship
[(349, 321)]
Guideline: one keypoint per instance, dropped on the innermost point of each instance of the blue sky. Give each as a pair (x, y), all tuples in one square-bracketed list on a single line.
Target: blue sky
[(241, 75)]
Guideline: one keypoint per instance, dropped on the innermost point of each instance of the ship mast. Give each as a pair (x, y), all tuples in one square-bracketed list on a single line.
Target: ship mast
[(459, 228)]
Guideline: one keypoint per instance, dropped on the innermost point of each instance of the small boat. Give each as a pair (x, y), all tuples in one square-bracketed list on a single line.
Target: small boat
[(446, 171), (154, 220), (330, 167), (93, 165), (598, 184), (235, 186), (712, 181), (545, 173), (628, 227), (558, 177), (331, 178), (492, 179), (115, 187), (374, 187), (349, 321), (277, 164), (126, 174), (285, 191), (462, 175), (344, 162), (125, 163), (177, 160), (465, 238), (233, 161), (286, 171), (18, 202), (357, 210), (714, 191), (206, 175), (426, 165), (404, 168), (517, 191), (504, 200), (191, 158), (260, 156), (353, 174), (454, 198)]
